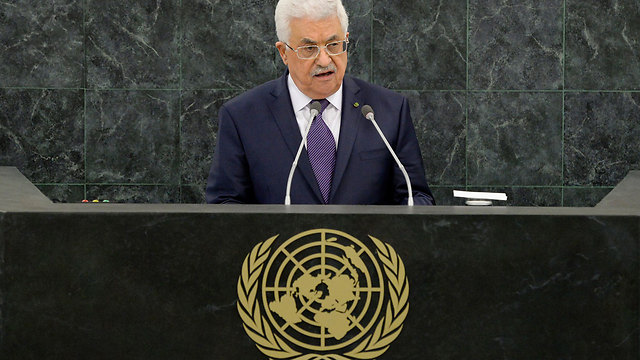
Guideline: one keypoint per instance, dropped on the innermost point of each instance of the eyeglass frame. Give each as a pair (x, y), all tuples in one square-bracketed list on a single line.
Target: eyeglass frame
[(320, 48)]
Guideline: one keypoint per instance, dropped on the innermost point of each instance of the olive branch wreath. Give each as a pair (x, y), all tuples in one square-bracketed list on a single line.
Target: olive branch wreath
[(275, 347)]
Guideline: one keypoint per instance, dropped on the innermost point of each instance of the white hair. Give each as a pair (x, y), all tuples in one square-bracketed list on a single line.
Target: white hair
[(314, 9)]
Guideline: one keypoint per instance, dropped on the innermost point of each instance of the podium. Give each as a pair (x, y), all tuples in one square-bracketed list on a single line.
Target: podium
[(152, 281)]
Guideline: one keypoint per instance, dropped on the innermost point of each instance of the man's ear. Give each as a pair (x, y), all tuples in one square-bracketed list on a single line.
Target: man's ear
[(282, 49)]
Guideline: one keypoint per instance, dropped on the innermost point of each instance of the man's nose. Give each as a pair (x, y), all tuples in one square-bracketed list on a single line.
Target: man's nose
[(323, 58)]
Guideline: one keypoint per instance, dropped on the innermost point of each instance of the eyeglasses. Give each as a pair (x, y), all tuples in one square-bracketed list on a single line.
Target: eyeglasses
[(308, 52)]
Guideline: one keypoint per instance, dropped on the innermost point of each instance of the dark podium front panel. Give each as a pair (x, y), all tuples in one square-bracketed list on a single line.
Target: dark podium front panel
[(125, 281)]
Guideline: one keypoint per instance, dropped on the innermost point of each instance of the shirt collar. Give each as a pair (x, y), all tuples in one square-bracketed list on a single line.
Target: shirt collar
[(299, 100)]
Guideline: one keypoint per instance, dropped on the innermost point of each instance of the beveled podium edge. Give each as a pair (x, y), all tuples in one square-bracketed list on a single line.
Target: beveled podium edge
[(625, 195)]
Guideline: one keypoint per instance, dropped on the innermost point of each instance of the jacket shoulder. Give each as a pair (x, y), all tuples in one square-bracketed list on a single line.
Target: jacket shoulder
[(253, 97)]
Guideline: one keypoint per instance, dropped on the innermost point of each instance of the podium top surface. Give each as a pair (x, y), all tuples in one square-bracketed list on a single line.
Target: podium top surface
[(18, 195)]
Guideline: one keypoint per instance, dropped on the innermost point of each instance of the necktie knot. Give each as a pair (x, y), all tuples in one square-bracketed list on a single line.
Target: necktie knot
[(323, 104)]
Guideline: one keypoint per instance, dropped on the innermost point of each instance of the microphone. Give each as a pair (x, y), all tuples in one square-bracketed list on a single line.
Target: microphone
[(316, 107), (367, 112)]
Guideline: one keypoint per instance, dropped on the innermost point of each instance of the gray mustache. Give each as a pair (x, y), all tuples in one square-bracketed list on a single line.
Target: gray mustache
[(320, 70)]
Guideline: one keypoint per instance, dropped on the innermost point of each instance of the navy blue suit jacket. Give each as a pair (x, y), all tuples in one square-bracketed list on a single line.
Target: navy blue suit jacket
[(258, 138)]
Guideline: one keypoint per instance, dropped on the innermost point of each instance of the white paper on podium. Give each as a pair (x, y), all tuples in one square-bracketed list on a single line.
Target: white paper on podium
[(480, 195)]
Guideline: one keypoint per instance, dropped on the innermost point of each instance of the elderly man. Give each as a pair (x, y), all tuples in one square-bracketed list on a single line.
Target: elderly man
[(345, 160)]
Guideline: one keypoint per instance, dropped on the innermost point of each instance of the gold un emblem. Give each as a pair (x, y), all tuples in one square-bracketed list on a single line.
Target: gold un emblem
[(323, 295)]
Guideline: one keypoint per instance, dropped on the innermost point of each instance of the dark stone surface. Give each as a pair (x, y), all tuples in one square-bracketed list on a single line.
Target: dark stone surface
[(132, 137), (133, 45), (602, 136), (63, 193), (42, 133), (360, 38), (419, 45), (444, 195), (580, 196), (603, 45), (515, 45), (442, 54), (41, 43), (134, 193), (192, 194), (440, 124), (144, 285), (229, 45), (515, 139)]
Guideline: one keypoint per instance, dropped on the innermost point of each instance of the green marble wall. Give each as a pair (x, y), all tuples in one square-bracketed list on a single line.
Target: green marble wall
[(119, 99)]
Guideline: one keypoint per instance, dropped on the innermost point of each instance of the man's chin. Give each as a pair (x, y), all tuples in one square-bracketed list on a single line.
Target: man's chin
[(324, 89)]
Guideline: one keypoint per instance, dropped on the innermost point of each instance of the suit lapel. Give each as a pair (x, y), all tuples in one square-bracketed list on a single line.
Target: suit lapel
[(286, 120), (350, 120)]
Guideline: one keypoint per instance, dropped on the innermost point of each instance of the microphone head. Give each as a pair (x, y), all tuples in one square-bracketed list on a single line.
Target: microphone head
[(366, 110), (316, 107)]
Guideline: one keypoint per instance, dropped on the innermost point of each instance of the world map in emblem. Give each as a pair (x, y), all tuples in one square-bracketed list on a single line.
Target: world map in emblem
[(322, 289), (323, 295)]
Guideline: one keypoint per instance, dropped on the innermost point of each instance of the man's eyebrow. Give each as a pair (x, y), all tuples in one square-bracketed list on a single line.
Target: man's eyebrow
[(307, 41), (332, 38)]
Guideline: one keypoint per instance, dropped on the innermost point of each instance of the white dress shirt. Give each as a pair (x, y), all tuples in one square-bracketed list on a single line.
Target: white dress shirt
[(302, 109)]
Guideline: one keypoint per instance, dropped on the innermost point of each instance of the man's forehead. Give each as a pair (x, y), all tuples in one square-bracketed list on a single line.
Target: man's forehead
[(307, 30)]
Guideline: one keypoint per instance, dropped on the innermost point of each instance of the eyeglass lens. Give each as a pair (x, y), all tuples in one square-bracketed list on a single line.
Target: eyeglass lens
[(311, 51)]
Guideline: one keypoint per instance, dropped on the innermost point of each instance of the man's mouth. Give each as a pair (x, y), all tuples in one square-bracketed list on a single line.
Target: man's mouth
[(324, 74)]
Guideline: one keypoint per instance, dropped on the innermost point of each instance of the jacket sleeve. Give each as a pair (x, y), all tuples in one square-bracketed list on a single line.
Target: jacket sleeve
[(229, 180), (408, 151)]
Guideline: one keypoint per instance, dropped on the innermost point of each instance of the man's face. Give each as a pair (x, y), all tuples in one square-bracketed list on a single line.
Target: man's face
[(320, 77)]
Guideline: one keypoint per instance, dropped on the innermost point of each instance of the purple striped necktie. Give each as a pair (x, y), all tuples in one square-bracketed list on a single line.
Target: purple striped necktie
[(321, 147)]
